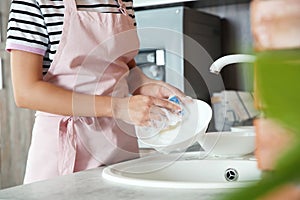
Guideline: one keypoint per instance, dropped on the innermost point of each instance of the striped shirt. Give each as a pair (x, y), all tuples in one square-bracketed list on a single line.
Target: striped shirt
[(36, 25)]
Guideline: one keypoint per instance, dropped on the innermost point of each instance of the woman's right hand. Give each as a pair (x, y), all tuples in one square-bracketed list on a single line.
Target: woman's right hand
[(138, 109)]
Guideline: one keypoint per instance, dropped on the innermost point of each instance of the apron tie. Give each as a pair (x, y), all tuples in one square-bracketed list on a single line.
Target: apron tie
[(122, 7), (67, 146)]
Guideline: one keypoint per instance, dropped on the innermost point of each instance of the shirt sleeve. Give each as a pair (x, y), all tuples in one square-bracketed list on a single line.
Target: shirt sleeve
[(26, 28)]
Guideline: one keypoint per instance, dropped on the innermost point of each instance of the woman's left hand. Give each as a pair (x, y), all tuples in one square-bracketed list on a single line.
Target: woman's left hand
[(159, 89), (140, 84)]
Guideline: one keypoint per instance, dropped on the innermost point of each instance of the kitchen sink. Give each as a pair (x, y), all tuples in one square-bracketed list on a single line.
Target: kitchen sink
[(188, 170)]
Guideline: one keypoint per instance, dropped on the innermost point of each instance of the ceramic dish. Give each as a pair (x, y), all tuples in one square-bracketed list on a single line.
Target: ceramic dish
[(228, 143), (179, 138), (242, 129)]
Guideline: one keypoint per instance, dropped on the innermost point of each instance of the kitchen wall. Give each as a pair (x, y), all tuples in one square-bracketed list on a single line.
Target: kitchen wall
[(15, 123), (236, 38)]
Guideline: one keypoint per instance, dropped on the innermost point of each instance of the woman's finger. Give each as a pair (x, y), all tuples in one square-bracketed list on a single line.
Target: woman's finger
[(167, 104)]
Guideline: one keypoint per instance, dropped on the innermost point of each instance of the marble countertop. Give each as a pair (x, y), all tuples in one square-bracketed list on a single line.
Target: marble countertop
[(89, 185)]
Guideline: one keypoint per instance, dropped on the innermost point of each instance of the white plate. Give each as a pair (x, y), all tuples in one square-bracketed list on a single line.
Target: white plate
[(179, 138)]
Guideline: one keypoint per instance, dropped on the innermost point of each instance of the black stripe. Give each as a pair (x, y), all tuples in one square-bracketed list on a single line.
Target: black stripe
[(54, 15), (98, 6), (26, 13), (55, 33), (54, 42), (27, 22), (27, 40), (54, 23), (53, 6), (51, 52), (27, 31)]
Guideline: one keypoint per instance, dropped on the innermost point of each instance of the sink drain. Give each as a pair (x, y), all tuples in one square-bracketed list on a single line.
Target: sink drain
[(231, 175)]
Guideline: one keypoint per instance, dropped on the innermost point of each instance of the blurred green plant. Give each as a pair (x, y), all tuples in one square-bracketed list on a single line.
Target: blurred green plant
[(278, 80)]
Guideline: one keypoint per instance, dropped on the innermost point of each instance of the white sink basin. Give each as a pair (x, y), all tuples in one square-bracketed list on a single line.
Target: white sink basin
[(184, 171)]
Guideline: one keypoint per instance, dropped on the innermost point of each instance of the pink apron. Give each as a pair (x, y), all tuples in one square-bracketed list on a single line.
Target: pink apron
[(92, 59)]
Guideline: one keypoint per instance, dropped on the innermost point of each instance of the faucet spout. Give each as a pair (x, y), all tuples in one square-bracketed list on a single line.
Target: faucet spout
[(217, 66)]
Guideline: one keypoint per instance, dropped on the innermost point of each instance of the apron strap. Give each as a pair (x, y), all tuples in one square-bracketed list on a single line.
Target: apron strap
[(70, 5), (122, 7)]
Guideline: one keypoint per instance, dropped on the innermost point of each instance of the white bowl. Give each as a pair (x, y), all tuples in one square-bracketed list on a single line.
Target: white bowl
[(242, 129), (197, 117), (228, 143)]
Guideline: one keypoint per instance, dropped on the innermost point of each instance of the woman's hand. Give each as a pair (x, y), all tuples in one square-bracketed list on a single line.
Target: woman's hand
[(140, 84), (159, 89), (139, 109)]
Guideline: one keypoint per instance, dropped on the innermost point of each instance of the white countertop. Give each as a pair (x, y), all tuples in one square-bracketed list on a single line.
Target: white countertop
[(89, 185), (142, 3)]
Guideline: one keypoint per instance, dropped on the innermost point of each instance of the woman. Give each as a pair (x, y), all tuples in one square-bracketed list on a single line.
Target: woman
[(86, 50)]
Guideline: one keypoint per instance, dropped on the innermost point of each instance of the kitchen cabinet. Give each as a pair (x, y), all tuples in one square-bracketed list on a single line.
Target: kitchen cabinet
[(236, 38)]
